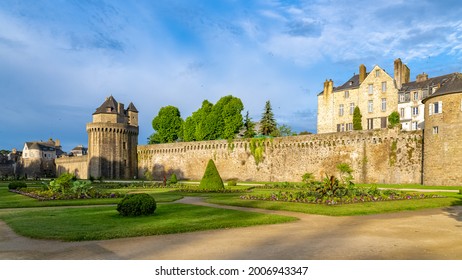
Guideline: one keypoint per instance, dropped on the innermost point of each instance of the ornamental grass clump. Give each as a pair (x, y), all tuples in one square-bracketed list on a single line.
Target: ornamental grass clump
[(138, 204), (211, 179)]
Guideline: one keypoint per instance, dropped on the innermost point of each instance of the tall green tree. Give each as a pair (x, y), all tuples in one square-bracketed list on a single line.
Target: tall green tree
[(357, 119), (267, 123), (286, 130), (249, 127), (393, 119), (168, 125)]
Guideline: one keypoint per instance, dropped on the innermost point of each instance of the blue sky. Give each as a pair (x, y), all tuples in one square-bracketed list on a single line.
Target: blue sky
[(59, 60)]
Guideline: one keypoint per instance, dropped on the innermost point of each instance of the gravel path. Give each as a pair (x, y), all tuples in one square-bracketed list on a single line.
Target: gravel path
[(425, 234)]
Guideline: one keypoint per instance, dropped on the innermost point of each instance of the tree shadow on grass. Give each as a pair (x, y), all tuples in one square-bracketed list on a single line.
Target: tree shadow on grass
[(455, 210)]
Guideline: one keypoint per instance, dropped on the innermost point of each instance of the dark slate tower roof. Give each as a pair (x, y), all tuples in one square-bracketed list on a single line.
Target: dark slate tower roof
[(132, 108), (108, 107), (451, 83)]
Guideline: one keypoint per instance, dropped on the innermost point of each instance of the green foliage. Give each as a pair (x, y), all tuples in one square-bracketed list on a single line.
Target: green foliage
[(81, 188), (232, 183), (148, 175), (357, 119), (173, 179), (268, 123), (220, 121), (393, 119), (257, 149), (62, 184), (308, 178), (168, 125), (211, 179), (17, 185), (138, 204), (304, 133), (285, 130), (249, 126), (346, 174)]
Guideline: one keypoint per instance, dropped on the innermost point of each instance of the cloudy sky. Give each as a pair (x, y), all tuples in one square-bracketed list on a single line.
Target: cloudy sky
[(59, 60)]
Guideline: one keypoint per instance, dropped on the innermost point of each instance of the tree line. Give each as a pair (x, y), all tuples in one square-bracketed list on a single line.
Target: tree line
[(222, 120)]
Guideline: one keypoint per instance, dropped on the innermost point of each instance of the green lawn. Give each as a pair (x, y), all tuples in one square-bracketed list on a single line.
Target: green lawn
[(410, 186), (104, 222)]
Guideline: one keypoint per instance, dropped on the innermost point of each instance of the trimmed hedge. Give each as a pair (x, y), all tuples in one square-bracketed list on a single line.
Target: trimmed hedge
[(211, 179), (137, 204), (17, 185)]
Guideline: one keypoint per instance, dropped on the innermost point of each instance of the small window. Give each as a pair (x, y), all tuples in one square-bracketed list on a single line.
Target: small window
[(383, 122), (352, 108), (414, 126), (340, 110), (435, 130), (371, 89), (347, 94), (401, 113), (384, 86), (402, 97), (377, 73), (415, 111), (349, 126), (384, 104), (416, 95), (370, 106), (342, 127), (370, 124)]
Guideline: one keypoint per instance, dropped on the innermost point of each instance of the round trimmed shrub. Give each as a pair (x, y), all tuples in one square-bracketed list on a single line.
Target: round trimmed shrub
[(137, 204), (16, 185)]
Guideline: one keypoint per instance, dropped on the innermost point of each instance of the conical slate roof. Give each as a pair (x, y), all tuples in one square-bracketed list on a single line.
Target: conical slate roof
[(132, 108)]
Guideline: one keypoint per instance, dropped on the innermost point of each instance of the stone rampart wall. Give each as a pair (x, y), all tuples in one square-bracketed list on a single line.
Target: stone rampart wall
[(379, 156), (75, 165)]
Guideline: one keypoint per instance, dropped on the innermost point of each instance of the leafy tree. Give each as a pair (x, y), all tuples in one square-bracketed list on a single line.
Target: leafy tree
[(393, 119), (168, 125), (304, 133), (220, 121), (267, 123), (357, 119), (211, 179), (285, 130), (249, 126)]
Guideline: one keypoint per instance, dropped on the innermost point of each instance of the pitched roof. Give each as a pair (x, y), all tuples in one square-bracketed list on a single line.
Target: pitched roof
[(42, 146), (451, 83), (108, 107), (430, 82), (353, 82), (132, 108)]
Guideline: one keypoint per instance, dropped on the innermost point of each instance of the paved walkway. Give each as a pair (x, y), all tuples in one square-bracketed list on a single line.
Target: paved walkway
[(426, 234)]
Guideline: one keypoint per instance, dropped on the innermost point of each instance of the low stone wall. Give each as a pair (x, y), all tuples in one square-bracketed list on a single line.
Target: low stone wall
[(379, 156)]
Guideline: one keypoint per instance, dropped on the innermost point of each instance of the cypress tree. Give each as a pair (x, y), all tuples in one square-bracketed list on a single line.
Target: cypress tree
[(357, 119)]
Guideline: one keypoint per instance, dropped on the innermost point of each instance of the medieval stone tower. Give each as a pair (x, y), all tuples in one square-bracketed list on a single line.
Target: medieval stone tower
[(113, 141)]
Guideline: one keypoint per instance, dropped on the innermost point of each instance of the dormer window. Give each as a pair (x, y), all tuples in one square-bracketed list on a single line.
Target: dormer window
[(351, 83)]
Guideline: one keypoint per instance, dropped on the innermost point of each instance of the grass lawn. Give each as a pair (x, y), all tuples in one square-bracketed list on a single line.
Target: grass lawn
[(98, 223), (410, 186)]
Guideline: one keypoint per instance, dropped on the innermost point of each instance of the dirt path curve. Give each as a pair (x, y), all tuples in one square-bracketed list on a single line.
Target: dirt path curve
[(426, 234)]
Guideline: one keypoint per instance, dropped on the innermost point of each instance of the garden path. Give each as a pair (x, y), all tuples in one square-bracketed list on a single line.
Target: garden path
[(424, 234)]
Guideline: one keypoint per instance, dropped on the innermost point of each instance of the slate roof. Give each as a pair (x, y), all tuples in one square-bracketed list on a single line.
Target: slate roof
[(132, 108), (451, 83), (352, 83), (430, 82), (108, 107)]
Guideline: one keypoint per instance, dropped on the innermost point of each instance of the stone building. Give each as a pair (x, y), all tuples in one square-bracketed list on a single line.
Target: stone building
[(112, 144), (374, 92), (38, 158), (410, 96), (442, 134)]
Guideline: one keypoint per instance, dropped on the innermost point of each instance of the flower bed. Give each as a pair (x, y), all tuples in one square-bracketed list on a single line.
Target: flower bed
[(356, 195), (42, 195)]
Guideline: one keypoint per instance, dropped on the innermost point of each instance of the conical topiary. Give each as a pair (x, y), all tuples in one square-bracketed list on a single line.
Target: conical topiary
[(211, 179)]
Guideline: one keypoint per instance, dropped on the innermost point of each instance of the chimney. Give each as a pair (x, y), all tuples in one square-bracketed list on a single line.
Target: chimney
[(362, 73), (421, 77), (402, 73), (328, 87)]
